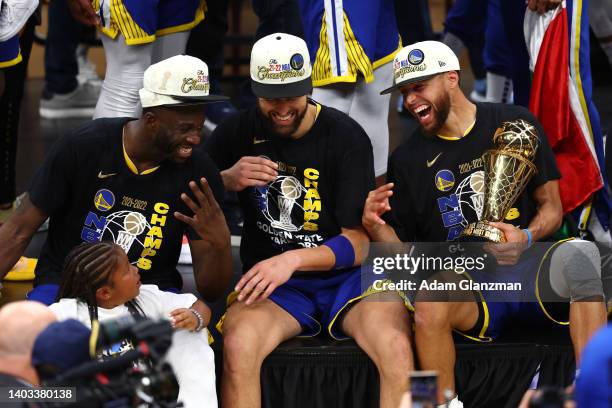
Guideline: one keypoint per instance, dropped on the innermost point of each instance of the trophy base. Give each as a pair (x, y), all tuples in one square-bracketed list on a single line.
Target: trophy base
[(482, 231)]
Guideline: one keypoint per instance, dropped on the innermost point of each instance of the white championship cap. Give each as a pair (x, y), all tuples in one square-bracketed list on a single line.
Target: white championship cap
[(280, 67), (421, 61), (178, 80)]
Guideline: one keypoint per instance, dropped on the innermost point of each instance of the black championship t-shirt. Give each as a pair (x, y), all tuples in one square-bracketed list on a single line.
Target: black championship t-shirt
[(439, 184), (323, 180), (91, 195)]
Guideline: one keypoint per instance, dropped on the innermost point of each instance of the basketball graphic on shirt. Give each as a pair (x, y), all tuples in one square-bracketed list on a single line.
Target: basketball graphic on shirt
[(134, 223), (282, 206), (477, 182), (471, 195), (290, 188), (127, 229)]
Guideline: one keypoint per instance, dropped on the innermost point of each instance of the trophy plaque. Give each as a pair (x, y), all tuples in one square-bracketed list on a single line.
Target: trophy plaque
[(508, 168)]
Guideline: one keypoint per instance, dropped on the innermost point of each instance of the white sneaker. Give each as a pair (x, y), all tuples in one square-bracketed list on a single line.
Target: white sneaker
[(13, 16)]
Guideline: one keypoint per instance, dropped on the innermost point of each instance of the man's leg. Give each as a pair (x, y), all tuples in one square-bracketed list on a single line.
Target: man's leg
[(575, 273), (435, 322), (125, 66), (371, 111), (382, 329), (250, 333), (586, 318)]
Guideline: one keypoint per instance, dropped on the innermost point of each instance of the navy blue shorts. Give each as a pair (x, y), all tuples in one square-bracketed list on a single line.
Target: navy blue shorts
[(318, 302), (531, 311), (9, 52)]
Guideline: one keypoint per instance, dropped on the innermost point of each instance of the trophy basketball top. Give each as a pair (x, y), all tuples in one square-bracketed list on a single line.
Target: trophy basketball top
[(517, 136)]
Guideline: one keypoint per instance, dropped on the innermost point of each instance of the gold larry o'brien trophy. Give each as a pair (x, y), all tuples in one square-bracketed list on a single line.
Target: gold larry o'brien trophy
[(508, 168)]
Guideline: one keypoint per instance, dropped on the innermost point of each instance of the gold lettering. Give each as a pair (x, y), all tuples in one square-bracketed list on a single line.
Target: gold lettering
[(155, 232), (312, 174), (312, 193), (144, 263), (156, 219), (150, 242), (191, 84), (148, 252), (309, 216), (406, 70), (264, 73), (312, 205), (309, 183), (310, 226), (161, 208)]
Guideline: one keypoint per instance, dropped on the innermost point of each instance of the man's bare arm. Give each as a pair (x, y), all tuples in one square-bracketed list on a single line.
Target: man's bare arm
[(261, 280), (16, 233), (549, 216)]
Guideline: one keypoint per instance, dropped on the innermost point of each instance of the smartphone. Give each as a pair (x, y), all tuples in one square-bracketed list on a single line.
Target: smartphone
[(424, 389)]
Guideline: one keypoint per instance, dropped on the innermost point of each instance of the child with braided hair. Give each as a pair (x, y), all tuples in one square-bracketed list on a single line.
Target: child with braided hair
[(98, 283)]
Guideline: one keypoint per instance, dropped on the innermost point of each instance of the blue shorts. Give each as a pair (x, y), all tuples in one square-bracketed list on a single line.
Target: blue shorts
[(496, 315), (140, 21), (9, 52), (318, 302), (47, 293)]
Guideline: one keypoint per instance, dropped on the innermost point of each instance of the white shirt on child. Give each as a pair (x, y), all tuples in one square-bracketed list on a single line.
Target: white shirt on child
[(190, 355), (155, 303)]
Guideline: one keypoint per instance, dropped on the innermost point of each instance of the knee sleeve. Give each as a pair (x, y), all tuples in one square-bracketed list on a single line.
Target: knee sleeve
[(606, 270), (125, 66), (371, 111), (169, 45), (575, 270)]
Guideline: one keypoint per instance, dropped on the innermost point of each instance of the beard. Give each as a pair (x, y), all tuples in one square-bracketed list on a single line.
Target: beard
[(282, 131), (440, 114), (169, 149), (162, 142)]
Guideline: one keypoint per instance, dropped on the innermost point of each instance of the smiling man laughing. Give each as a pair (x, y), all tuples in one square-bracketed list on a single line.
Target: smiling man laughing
[(137, 182), (302, 172)]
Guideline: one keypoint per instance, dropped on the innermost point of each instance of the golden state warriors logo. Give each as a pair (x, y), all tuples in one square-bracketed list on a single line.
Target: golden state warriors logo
[(416, 56), (445, 180), (104, 200), (296, 61)]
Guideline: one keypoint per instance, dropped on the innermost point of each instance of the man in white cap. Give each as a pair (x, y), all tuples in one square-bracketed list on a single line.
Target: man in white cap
[(140, 183), (436, 189), (302, 172)]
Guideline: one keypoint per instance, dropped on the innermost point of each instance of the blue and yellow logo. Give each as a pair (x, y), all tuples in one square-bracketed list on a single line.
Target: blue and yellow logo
[(296, 61), (416, 56), (445, 180), (513, 214), (104, 200)]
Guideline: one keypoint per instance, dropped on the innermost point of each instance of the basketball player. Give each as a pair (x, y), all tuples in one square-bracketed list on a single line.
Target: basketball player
[(301, 170), (352, 45), (140, 183), (435, 185), (135, 34)]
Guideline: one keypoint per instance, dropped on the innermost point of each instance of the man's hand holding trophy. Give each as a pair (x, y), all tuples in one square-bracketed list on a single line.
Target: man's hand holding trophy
[(508, 168)]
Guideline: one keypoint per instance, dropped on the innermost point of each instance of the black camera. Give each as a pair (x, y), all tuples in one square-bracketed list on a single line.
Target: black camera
[(134, 376)]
